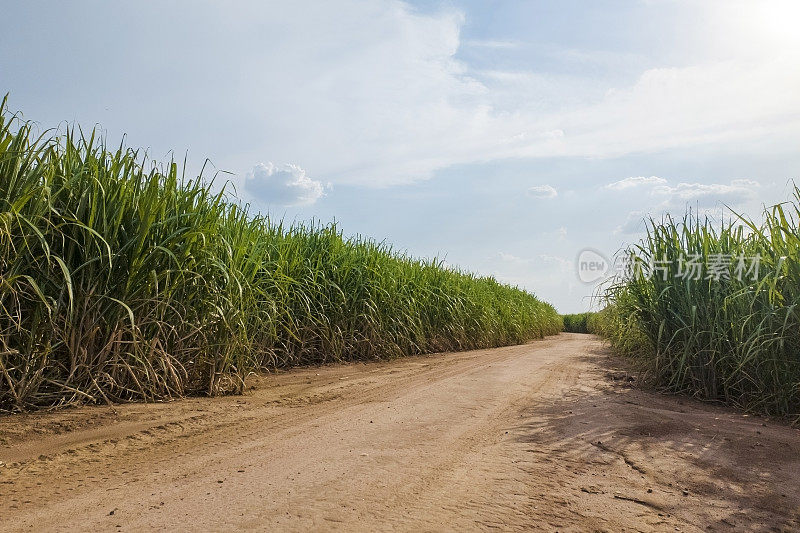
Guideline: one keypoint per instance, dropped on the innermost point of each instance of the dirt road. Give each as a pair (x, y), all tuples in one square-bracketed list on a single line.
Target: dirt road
[(546, 436)]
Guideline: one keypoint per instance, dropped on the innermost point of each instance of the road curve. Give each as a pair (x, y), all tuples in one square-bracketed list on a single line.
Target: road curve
[(551, 435)]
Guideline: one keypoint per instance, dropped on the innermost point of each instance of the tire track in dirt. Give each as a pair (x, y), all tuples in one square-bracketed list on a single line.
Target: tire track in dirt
[(540, 436)]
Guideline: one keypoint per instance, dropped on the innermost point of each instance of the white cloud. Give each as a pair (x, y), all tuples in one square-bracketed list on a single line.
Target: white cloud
[(700, 194), (629, 183), (541, 260), (540, 274), (511, 258), (542, 191), (389, 102), (703, 199), (491, 43), (708, 194), (286, 185), (561, 263), (376, 93), (635, 222)]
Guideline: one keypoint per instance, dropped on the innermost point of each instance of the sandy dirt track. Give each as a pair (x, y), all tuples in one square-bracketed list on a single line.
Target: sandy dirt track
[(549, 436)]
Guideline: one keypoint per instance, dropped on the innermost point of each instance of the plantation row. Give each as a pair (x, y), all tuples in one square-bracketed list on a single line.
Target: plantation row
[(119, 281), (713, 309), (577, 323)]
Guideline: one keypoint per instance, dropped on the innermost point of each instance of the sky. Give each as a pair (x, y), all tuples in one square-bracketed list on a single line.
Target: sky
[(502, 136)]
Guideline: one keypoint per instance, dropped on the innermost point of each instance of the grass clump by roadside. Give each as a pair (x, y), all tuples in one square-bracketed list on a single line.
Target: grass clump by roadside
[(122, 280), (578, 322), (731, 333)]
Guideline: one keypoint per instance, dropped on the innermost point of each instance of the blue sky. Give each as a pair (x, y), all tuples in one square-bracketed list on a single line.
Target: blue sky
[(502, 136)]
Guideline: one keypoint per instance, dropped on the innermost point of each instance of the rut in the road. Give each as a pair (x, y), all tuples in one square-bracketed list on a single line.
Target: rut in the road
[(525, 437)]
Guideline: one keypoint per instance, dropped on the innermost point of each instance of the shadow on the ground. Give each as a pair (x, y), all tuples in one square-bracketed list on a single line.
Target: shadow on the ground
[(713, 467)]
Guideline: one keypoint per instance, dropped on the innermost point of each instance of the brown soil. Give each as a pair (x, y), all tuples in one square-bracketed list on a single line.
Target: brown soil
[(551, 435)]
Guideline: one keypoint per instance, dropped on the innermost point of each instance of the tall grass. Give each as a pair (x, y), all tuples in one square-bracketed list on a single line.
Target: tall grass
[(735, 339), (122, 280), (578, 322)]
